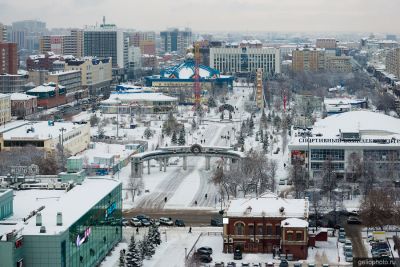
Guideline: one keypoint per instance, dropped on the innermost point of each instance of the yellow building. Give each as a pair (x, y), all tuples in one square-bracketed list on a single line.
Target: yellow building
[(308, 59), (393, 62), (338, 63), (5, 109), (96, 73), (48, 135)]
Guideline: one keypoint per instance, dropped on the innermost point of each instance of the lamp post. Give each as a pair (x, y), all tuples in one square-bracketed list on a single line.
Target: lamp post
[(62, 130)]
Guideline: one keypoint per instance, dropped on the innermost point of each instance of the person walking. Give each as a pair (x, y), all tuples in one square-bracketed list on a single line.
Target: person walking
[(190, 229)]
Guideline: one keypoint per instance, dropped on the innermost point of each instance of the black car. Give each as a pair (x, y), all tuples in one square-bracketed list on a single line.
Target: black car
[(237, 254), (205, 258), (145, 222), (180, 223), (231, 264), (216, 222), (205, 251), (353, 220), (142, 216), (284, 263)]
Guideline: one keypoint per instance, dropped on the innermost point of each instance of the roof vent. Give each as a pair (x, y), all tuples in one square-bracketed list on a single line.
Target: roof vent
[(42, 229), (38, 219), (281, 209), (59, 218)]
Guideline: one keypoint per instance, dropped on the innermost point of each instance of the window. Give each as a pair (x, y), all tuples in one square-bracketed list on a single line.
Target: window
[(289, 236), (239, 229), (269, 229), (260, 230), (299, 236), (251, 229), (277, 229)]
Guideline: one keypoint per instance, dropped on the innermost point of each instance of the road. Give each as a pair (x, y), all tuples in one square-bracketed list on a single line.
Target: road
[(190, 217), (175, 186)]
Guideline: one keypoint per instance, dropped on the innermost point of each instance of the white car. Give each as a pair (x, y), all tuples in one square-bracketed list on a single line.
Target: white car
[(136, 222), (166, 221)]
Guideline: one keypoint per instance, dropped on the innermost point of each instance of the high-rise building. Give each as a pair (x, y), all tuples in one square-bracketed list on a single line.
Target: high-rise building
[(242, 59), (5, 109), (308, 59), (52, 43), (8, 58), (146, 41), (393, 62), (107, 41), (174, 40), (30, 26), (327, 43), (3, 33), (63, 44)]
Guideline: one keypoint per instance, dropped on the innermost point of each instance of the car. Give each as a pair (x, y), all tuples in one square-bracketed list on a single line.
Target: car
[(341, 231), (142, 216), (179, 223), (204, 258), (231, 264), (237, 254), (124, 222), (256, 265), (348, 256), (379, 253), (347, 242), (136, 222), (166, 221), (269, 264), (216, 222), (219, 264), (145, 222), (347, 248), (245, 264), (284, 263), (205, 250), (353, 220), (155, 222), (342, 238)]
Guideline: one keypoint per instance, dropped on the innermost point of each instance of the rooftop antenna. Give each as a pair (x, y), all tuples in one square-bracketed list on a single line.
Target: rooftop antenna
[(104, 20)]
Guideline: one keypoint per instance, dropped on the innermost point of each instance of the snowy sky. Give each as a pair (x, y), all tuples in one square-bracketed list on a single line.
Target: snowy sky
[(217, 15)]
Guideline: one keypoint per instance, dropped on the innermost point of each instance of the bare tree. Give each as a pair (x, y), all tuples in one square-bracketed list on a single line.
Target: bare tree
[(329, 177), (354, 167), (298, 175)]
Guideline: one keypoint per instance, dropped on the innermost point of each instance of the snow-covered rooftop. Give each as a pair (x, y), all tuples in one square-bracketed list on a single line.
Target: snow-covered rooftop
[(42, 89), (41, 130), (72, 204), (294, 222), (19, 96), (123, 97), (268, 205)]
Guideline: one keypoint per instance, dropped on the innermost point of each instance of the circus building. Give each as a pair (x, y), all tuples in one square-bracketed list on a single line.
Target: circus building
[(178, 81)]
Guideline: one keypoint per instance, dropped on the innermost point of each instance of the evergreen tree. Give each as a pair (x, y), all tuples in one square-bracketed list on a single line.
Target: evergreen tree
[(263, 120), (265, 143), (211, 103), (133, 257), (194, 124), (251, 123), (181, 139), (147, 248), (257, 139), (170, 124), (121, 258), (173, 138), (154, 235), (261, 135), (241, 139), (148, 133), (269, 119)]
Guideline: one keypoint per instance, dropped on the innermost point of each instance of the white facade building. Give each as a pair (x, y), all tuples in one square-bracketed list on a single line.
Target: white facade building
[(244, 59)]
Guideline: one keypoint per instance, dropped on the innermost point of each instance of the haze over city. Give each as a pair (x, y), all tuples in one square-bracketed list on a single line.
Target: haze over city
[(211, 15)]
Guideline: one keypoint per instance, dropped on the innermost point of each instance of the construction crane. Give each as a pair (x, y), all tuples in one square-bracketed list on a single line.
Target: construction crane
[(197, 85)]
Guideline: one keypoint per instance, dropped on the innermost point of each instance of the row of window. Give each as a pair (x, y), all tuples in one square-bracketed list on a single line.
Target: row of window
[(327, 154), (321, 165), (259, 229)]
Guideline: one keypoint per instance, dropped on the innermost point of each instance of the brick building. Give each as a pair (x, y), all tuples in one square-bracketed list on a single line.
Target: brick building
[(49, 95), (23, 105), (8, 58), (254, 225)]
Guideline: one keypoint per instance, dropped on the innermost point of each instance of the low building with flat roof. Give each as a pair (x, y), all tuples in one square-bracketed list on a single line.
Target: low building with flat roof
[(47, 135), (23, 105), (75, 227)]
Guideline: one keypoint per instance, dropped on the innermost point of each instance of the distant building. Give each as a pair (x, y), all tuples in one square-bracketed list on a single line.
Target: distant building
[(8, 58), (338, 64), (175, 40), (63, 44), (49, 95), (308, 59), (244, 60), (71, 81), (137, 100), (47, 135), (96, 73), (135, 62), (44, 61), (393, 62), (267, 224), (339, 105), (3, 33), (23, 105), (146, 41), (12, 83), (327, 43), (107, 41), (178, 81), (5, 109)]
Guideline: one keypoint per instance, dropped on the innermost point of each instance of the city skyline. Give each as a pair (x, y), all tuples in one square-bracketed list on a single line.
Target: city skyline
[(224, 15)]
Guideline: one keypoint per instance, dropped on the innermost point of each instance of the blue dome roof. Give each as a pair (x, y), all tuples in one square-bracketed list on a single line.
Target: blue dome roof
[(185, 70)]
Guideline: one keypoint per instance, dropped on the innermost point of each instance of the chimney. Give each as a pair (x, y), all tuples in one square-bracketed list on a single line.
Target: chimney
[(59, 218), (38, 219)]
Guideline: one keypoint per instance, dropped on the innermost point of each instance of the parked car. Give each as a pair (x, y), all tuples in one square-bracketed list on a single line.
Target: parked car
[(145, 222), (379, 253), (237, 254), (179, 223), (347, 248), (205, 250), (269, 264), (216, 222), (342, 238), (245, 264), (219, 264), (347, 242), (155, 222), (353, 220), (142, 216), (284, 263), (136, 222), (231, 264), (166, 221), (204, 258), (348, 256)]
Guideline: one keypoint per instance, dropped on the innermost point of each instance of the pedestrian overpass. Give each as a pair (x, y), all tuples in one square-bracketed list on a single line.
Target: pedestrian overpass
[(163, 154)]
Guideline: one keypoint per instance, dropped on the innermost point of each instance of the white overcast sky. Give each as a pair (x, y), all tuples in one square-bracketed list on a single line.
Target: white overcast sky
[(213, 15)]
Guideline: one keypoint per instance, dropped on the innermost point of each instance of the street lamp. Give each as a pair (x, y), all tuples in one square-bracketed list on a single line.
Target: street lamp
[(62, 130)]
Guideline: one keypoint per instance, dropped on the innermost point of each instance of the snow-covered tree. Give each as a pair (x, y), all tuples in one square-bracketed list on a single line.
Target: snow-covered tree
[(263, 120), (265, 142), (174, 138), (154, 235), (241, 139), (194, 124), (133, 257), (148, 133), (147, 248), (181, 139), (121, 258)]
